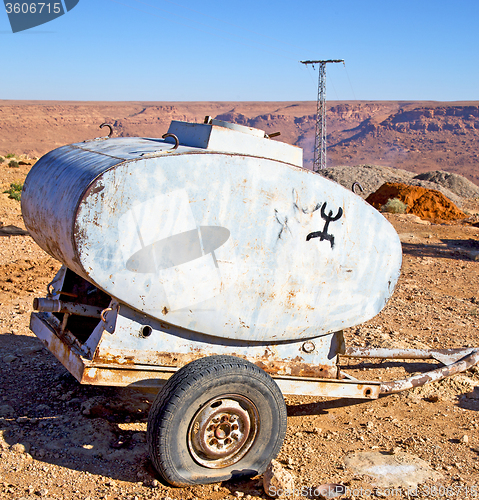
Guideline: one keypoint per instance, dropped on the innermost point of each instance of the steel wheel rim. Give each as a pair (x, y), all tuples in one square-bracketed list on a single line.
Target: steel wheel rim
[(223, 431)]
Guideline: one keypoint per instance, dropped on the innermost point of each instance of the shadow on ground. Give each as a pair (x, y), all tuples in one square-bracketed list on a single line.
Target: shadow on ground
[(86, 428), (448, 249)]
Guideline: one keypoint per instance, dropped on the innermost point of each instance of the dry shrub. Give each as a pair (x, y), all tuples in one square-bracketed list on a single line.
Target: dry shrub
[(394, 206)]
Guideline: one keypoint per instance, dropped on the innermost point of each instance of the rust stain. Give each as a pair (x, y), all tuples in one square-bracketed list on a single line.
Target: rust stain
[(165, 310), (120, 378), (274, 367), (267, 362), (95, 189), (114, 359)]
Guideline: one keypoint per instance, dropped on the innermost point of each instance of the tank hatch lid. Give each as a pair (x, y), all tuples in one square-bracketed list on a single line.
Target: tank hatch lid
[(228, 137)]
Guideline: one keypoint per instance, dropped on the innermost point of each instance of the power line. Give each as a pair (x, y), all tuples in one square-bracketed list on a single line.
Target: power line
[(319, 159), (350, 84)]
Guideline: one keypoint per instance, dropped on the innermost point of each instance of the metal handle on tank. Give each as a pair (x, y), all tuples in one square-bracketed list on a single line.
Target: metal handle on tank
[(109, 126), (177, 142)]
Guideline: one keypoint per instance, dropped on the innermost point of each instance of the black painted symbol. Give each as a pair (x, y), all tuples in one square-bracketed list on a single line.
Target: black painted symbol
[(283, 223), (324, 235)]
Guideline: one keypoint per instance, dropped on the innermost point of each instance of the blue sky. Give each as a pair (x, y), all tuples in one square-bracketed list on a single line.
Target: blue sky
[(185, 50)]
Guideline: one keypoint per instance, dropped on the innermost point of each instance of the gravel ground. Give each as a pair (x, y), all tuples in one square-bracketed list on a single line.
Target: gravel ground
[(61, 440)]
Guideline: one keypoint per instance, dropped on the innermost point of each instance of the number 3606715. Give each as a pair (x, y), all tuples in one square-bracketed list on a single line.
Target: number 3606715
[(33, 8)]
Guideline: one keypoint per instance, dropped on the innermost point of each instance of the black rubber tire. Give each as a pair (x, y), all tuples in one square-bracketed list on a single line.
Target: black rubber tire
[(187, 392)]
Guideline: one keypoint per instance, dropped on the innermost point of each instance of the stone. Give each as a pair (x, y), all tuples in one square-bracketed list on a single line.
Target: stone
[(9, 358), (410, 441), (474, 394), (395, 450), (139, 437), (6, 411), (278, 482), (465, 439), (42, 407), (21, 447)]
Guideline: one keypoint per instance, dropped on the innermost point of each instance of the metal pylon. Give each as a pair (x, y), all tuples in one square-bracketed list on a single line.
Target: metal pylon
[(319, 158)]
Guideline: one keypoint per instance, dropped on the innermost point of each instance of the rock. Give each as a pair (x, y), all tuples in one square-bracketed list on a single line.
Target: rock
[(410, 441), (278, 482), (464, 439), (93, 406), (42, 407), (472, 254), (21, 447), (9, 358), (395, 450), (6, 411), (458, 184), (155, 483), (329, 490), (74, 401), (3, 444), (139, 437), (22, 420), (371, 177), (474, 394)]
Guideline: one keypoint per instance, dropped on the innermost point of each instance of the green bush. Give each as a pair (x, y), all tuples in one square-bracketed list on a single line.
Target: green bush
[(1, 159), (10, 155), (394, 206), (13, 164), (15, 191)]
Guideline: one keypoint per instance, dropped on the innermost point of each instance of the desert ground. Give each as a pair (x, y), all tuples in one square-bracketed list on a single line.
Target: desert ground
[(417, 136), (61, 440)]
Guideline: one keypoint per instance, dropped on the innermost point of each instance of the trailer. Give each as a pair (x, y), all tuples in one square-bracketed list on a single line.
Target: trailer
[(210, 265)]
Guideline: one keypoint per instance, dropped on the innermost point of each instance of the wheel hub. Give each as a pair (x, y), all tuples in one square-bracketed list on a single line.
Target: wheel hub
[(223, 431)]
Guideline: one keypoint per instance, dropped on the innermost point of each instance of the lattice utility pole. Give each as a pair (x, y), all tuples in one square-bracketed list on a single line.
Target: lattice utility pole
[(319, 160)]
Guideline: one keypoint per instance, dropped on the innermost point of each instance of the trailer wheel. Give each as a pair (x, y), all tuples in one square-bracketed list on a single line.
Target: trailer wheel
[(217, 418)]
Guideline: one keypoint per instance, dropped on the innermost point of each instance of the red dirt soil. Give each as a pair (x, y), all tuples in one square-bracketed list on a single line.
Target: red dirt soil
[(425, 203)]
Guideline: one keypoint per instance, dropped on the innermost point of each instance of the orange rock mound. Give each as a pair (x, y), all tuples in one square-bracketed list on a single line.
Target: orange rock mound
[(425, 203)]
